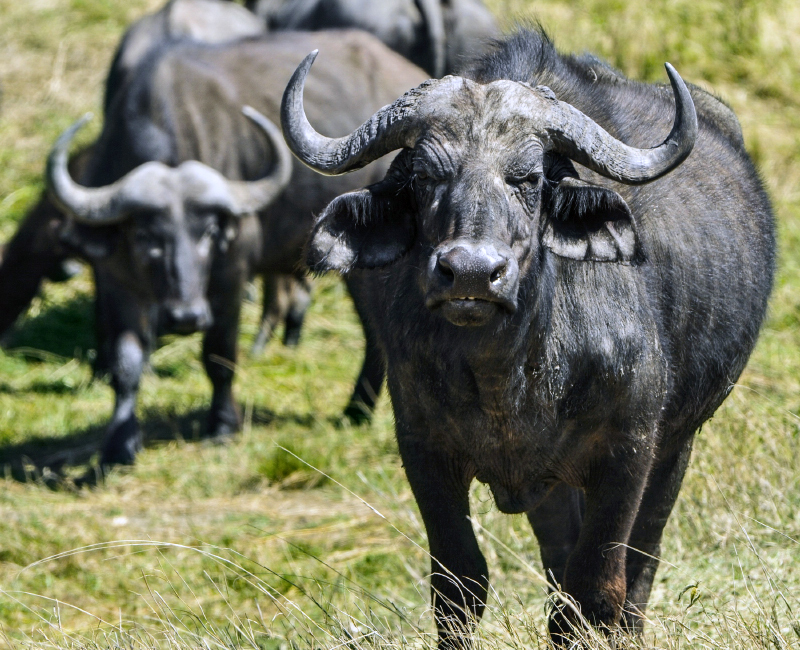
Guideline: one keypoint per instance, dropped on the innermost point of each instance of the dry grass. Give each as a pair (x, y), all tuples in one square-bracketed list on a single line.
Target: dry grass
[(244, 546)]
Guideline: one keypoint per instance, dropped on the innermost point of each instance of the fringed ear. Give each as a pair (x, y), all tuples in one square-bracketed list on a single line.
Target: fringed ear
[(89, 242), (588, 222), (360, 230)]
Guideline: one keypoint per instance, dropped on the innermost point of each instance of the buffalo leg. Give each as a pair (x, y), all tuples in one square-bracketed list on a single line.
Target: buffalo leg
[(299, 299), (273, 310), (645, 540), (595, 575), (459, 576), (556, 522), (373, 370), (219, 358), (124, 437), (33, 253)]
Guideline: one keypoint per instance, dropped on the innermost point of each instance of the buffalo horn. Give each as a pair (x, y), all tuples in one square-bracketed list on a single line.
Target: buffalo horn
[(569, 131), (583, 140), (431, 11), (252, 196), (92, 205), (393, 127)]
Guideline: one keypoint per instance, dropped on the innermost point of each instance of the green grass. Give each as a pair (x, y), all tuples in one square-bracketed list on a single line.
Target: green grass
[(247, 546)]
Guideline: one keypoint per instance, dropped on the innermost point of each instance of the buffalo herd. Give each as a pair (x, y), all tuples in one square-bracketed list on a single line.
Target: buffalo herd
[(560, 272)]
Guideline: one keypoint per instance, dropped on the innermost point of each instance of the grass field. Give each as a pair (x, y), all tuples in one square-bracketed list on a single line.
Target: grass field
[(303, 533)]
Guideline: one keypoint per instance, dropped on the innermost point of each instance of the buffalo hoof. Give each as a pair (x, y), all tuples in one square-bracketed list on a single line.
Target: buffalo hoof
[(223, 436), (121, 449), (357, 414), (291, 337), (221, 431)]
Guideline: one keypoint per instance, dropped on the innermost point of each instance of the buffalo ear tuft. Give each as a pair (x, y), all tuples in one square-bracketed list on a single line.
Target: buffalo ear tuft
[(89, 242), (587, 222), (360, 230)]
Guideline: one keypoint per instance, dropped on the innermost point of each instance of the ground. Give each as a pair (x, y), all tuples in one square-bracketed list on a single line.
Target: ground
[(303, 531)]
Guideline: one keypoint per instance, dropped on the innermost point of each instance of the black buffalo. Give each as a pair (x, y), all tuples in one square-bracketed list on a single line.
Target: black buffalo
[(285, 297), (35, 251), (437, 35), (167, 217), (561, 307)]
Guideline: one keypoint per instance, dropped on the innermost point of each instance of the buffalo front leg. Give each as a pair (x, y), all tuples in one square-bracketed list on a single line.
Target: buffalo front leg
[(123, 436), (219, 360), (459, 576), (594, 576), (644, 546), (273, 308), (370, 379), (556, 522), (299, 288)]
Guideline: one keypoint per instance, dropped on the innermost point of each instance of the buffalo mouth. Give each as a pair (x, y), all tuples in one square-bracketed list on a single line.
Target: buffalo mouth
[(468, 311), (185, 319)]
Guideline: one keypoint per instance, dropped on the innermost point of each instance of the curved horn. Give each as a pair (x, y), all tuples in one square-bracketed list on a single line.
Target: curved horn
[(581, 139), (252, 196), (392, 127), (90, 205), (431, 11), (99, 206)]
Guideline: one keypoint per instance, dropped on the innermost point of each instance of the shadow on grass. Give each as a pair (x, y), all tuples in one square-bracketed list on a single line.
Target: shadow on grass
[(62, 330), (59, 460)]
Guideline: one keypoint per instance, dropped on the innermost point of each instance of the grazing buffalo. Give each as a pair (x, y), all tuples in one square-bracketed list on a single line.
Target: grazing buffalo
[(437, 35), (561, 305), (168, 220)]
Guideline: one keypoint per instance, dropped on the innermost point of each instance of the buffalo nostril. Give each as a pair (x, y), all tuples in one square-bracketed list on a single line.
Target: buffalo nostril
[(444, 268), (498, 271)]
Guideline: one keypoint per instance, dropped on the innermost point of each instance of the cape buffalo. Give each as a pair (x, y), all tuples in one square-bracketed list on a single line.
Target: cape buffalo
[(437, 35), (285, 298), (35, 251), (167, 220), (560, 305)]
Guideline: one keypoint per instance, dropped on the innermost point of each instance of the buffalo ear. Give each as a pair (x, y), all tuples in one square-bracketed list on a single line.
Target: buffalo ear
[(360, 230), (588, 222), (92, 243)]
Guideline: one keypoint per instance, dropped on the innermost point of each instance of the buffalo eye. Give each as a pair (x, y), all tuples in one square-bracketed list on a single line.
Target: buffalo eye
[(517, 179), (423, 180), (527, 187), (425, 176), (209, 236)]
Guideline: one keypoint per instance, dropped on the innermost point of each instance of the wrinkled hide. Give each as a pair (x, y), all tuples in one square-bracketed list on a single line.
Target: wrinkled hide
[(552, 332)]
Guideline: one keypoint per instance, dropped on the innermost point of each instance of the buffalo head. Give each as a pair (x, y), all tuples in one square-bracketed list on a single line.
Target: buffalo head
[(483, 186), (163, 224)]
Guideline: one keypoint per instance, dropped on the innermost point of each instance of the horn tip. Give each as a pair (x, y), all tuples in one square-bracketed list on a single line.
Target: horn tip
[(672, 73), (85, 118)]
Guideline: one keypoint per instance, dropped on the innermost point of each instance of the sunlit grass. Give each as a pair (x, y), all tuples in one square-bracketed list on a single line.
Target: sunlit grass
[(245, 545)]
